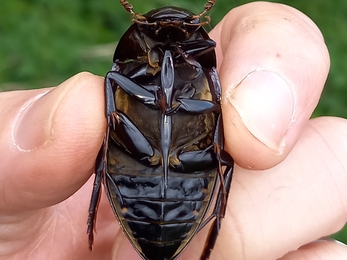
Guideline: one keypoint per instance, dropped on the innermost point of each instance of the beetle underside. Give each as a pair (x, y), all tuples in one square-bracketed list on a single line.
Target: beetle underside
[(163, 155)]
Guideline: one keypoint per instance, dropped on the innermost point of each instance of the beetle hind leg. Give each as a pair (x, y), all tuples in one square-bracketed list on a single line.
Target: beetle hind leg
[(100, 172), (224, 159), (217, 215), (94, 201)]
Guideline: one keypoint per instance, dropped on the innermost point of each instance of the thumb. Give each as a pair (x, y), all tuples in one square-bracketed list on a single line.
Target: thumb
[(49, 139), (273, 66)]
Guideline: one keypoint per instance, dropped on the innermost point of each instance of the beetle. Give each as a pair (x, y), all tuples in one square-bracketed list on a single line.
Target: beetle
[(162, 161)]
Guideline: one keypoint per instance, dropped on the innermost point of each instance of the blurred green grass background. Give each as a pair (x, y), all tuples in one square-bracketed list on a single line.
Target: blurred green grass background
[(43, 42)]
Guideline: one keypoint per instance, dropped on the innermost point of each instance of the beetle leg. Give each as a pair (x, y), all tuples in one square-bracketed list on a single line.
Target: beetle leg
[(100, 172), (215, 83), (189, 59), (120, 123), (224, 159), (130, 87), (143, 70), (197, 106), (93, 207), (197, 47), (204, 106), (193, 105), (131, 139), (110, 104), (219, 213)]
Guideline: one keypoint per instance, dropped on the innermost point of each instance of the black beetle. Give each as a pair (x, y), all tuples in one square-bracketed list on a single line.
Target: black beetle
[(162, 161)]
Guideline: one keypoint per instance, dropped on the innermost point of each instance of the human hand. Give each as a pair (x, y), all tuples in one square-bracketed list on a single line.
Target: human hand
[(48, 151), (273, 64)]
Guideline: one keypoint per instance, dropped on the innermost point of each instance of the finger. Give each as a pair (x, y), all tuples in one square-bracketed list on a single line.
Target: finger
[(49, 140), (273, 63), (321, 249), (276, 211)]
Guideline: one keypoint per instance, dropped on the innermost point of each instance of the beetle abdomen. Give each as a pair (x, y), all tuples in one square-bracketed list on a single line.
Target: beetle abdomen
[(158, 219)]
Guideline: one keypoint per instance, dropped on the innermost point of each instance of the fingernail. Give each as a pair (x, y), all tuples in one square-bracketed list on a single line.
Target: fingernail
[(33, 125), (265, 103)]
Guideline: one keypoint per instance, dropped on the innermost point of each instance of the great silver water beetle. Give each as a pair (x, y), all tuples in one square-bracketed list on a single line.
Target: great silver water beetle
[(162, 162)]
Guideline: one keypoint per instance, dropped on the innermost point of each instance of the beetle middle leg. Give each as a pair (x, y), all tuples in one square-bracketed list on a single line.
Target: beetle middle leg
[(129, 86), (196, 48), (119, 121), (131, 138)]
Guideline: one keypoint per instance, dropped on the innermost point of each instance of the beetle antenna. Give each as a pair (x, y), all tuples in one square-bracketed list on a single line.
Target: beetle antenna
[(208, 6), (129, 8)]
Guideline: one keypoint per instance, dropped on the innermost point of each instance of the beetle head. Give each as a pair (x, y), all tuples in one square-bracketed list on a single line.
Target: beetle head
[(169, 24)]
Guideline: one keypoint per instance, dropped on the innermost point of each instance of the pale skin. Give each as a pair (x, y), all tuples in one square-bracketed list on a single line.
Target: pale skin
[(48, 151)]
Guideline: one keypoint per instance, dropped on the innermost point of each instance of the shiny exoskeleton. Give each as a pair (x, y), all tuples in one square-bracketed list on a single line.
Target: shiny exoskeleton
[(162, 162)]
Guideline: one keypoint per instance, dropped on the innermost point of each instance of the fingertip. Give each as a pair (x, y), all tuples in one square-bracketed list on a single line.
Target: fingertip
[(258, 114), (67, 134), (77, 130), (319, 249), (254, 41), (246, 150), (79, 121)]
